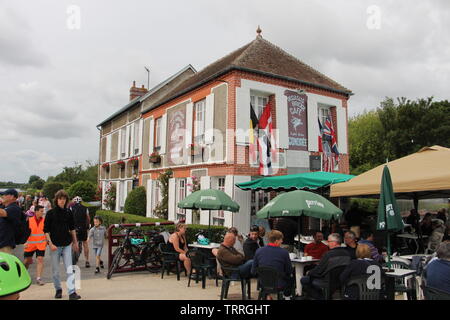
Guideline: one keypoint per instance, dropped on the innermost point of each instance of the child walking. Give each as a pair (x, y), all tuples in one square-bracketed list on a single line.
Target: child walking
[(98, 233)]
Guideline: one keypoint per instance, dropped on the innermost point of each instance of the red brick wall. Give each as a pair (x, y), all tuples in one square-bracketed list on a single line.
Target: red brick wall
[(240, 154)]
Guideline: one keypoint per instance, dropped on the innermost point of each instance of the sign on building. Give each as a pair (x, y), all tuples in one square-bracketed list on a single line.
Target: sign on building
[(297, 120)]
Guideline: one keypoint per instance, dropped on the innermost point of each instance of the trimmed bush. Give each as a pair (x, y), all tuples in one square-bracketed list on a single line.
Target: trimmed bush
[(84, 189), (50, 188), (136, 202), (111, 217)]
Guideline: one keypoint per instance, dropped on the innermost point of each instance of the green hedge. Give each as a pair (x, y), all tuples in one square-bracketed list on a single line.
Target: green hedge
[(136, 202), (111, 217)]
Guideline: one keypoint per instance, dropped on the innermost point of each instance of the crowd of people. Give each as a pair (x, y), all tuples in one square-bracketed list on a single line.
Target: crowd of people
[(60, 228)]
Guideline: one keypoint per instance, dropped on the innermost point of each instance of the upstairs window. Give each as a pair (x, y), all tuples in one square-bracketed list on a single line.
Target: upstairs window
[(158, 134), (199, 124)]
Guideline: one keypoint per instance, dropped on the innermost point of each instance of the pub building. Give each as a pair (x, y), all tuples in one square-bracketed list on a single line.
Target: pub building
[(212, 129)]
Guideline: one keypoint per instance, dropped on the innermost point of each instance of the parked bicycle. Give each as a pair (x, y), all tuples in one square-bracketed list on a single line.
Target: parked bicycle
[(137, 250)]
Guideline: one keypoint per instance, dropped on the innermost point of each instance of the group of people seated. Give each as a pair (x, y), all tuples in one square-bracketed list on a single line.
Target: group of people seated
[(350, 256)]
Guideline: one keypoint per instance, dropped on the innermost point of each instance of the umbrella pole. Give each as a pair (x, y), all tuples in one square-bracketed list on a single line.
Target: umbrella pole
[(389, 250)]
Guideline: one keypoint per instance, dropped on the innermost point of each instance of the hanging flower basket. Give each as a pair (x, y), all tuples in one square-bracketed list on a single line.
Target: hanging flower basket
[(155, 157), (121, 164)]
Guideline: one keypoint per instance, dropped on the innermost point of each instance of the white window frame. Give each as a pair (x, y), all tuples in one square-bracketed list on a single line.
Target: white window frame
[(199, 123), (156, 194), (180, 193), (123, 143), (136, 137), (324, 112), (157, 134), (219, 218), (121, 195)]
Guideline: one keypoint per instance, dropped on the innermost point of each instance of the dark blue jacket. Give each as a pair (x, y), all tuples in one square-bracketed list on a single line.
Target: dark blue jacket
[(275, 257), (9, 224), (438, 275)]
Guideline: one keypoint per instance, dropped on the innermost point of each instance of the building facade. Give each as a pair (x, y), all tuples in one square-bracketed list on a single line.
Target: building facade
[(199, 129)]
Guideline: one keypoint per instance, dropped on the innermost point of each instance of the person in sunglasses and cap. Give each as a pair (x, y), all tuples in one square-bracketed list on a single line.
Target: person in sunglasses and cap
[(9, 220)]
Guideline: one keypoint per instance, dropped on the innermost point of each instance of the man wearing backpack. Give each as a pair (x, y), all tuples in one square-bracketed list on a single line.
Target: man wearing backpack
[(10, 220), (81, 220)]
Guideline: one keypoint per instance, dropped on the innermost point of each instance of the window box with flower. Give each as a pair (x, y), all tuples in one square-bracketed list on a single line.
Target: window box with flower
[(121, 164), (106, 166), (155, 157)]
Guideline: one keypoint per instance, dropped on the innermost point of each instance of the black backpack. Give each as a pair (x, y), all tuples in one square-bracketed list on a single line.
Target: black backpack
[(22, 231)]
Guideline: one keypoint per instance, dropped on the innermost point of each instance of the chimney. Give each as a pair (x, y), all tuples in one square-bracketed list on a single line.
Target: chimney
[(137, 92)]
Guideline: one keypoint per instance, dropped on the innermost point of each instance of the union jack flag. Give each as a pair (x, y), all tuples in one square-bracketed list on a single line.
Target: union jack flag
[(328, 145)]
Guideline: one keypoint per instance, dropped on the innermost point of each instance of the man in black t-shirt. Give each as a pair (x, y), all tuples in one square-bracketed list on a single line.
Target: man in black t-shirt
[(82, 221), (9, 220), (60, 232)]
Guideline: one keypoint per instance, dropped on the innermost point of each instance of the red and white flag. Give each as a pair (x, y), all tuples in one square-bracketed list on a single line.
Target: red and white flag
[(266, 142)]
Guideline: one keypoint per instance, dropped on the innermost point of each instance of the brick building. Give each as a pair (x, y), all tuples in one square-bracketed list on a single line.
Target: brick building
[(199, 128)]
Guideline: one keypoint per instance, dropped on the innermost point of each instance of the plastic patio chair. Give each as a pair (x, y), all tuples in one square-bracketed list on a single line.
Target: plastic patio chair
[(169, 260), (227, 278), (435, 294), (199, 262), (364, 292), (268, 282)]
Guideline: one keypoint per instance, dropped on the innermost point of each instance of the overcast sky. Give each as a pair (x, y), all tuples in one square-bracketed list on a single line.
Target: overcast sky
[(58, 81)]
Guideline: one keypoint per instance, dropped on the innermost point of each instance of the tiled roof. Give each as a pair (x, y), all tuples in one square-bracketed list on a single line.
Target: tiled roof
[(259, 56)]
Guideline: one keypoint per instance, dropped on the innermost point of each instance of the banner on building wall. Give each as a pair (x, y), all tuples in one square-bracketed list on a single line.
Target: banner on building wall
[(297, 120), (176, 125)]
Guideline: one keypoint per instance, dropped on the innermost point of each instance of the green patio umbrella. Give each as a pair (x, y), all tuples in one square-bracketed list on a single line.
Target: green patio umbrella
[(209, 199), (389, 218), (299, 203)]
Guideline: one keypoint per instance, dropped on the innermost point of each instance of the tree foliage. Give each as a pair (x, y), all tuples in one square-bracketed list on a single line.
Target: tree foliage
[(395, 130), (84, 189), (162, 209), (50, 188)]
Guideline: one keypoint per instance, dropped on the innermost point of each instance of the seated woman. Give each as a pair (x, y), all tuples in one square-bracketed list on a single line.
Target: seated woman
[(357, 267), (177, 242)]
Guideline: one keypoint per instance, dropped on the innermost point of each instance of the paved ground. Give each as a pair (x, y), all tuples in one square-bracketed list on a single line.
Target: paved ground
[(129, 286)]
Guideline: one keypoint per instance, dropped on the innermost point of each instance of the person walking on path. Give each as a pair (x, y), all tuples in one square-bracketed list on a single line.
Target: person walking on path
[(82, 221), (36, 243), (9, 220), (60, 232), (98, 234)]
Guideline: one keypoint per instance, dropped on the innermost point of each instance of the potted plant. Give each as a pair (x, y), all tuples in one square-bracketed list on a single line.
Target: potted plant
[(134, 161), (121, 164), (155, 157)]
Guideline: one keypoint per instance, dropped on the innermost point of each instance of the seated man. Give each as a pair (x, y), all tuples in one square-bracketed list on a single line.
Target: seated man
[(337, 256), (438, 270), (251, 244), (367, 238), (276, 257), (350, 243), (316, 249), (229, 257)]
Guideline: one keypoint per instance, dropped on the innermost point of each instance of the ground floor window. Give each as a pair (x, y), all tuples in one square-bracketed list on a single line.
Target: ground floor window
[(180, 195), (219, 215)]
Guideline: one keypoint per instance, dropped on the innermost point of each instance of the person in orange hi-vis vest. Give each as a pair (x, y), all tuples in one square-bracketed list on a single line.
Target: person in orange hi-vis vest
[(36, 243)]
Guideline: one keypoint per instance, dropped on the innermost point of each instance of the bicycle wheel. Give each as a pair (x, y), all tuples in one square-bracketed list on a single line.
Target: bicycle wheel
[(115, 262)]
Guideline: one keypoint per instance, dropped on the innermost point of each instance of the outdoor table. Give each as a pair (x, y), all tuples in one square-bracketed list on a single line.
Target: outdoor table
[(210, 246), (410, 256), (390, 280), (410, 236), (299, 264), (208, 250)]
